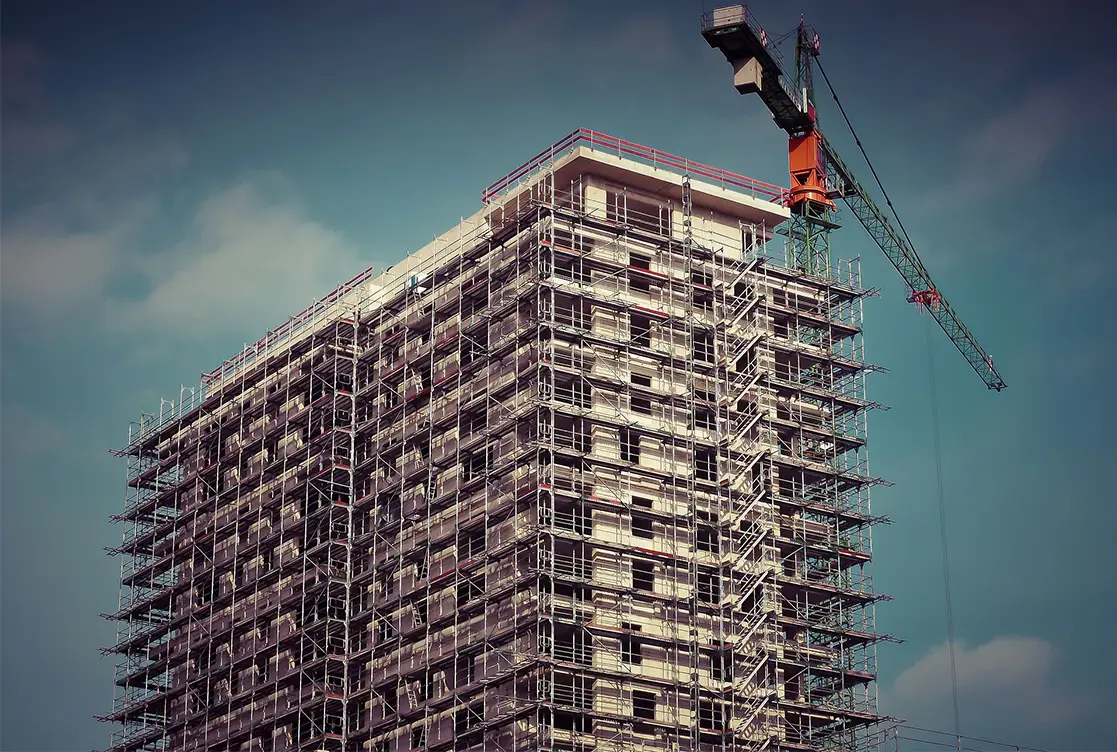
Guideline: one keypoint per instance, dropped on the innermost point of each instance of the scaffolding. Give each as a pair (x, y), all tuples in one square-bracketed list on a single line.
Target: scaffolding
[(587, 473)]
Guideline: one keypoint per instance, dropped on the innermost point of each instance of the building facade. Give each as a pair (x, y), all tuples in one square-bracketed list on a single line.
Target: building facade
[(585, 473)]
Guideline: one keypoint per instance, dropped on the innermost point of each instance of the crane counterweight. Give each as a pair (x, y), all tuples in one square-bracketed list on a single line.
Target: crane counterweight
[(808, 173)]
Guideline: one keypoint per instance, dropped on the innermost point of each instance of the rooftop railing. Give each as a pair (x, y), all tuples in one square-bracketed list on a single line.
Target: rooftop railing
[(627, 149)]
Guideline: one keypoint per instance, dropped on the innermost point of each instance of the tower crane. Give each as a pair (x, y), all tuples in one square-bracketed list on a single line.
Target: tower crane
[(818, 174)]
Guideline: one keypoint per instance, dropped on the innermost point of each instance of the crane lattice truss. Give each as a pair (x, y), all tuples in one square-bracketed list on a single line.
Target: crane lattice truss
[(818, 174)]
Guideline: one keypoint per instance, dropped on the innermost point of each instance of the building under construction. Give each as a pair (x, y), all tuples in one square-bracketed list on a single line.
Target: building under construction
[(585, 473)]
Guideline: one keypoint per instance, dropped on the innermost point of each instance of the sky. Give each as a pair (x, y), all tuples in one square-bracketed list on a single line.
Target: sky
[(179, 178)]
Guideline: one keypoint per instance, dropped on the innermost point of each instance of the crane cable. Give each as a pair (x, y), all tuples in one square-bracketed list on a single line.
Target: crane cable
[(934, 425), (942, 528), (861, 148)]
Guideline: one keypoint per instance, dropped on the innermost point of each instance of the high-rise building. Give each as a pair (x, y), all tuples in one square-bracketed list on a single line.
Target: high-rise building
[(585, 473)]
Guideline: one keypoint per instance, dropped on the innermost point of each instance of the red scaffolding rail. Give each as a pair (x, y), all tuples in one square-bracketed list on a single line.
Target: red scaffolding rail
[(653, 157)]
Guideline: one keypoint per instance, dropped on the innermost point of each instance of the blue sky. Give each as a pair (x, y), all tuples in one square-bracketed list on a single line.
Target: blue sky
[(177, 181)]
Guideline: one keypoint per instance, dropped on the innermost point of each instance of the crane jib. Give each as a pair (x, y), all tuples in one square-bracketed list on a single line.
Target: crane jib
[(910, 267)]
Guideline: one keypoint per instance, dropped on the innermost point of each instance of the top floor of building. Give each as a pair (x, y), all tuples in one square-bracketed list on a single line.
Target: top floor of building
[(592, 172)]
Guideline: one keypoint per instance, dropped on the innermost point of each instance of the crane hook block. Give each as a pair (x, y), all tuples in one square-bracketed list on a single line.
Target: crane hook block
[(928, 298)]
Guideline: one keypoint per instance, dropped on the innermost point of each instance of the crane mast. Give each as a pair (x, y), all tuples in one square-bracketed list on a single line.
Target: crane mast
[(819, 175)]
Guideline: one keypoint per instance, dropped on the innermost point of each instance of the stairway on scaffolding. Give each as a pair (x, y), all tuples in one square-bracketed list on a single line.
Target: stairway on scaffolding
[(755, 639)]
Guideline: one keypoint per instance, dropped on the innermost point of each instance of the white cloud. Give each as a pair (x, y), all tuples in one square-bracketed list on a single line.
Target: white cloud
[(88, 244), (253, 258), (1010, 149), (1007, 685), (77, 196), (52, 262)]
